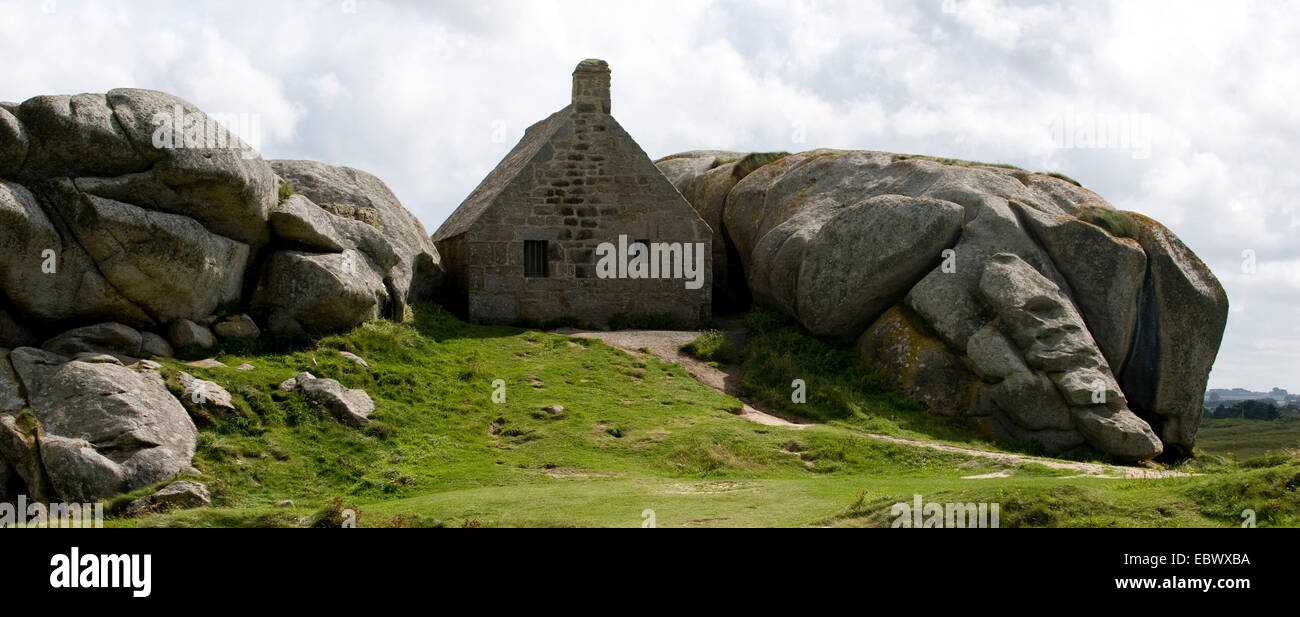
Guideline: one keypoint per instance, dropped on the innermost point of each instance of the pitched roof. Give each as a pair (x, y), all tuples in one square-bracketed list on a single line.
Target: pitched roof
[(469, 210)]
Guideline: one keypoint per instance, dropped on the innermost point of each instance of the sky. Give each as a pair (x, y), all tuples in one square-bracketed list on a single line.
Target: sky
[(1188, 112)]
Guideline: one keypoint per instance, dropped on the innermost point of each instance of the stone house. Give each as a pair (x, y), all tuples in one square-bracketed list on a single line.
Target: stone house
[(577, 222)]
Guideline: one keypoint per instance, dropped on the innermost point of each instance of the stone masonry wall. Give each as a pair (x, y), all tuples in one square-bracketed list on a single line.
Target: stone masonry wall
[(589, 184)]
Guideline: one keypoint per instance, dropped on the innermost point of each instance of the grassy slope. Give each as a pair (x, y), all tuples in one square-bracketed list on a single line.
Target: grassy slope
[(636, 434)]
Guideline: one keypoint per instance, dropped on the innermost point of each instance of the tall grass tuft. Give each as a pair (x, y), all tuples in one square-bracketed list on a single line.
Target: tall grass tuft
[(712, 346)]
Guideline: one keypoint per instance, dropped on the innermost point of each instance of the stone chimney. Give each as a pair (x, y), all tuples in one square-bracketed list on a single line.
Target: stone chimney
[(591, 87)]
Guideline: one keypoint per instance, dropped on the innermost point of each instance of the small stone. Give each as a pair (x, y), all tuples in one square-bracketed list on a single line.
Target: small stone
[(207, 363), (245, 367), (177, 495), (237, 327), (148, 365), (355, 358), (287, 503), (201, 397), (293, 383), (554, 410), (97, 358), (351, 407), (186, 334), (153, 345)]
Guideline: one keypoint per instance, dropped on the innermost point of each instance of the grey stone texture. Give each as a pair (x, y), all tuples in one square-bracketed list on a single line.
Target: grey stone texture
[(575, 180)]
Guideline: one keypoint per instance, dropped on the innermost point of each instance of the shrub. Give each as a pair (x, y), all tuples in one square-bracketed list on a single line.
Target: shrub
[(334, 514), (286, 190), (712, 346), (1119, 224)]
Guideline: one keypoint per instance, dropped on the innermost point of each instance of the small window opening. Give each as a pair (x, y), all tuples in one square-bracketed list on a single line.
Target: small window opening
[(535, 263)]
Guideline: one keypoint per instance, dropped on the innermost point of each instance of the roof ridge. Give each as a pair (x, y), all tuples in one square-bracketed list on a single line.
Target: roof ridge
[(501, 176)]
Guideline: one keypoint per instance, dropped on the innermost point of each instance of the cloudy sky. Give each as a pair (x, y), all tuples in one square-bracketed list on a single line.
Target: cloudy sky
[(1194, 107)]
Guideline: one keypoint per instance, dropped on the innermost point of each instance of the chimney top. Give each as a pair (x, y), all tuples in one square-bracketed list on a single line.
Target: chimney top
[(592, 64), (591, 86)]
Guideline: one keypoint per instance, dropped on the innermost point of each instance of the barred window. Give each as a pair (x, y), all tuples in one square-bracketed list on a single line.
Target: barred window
[(535, 263)]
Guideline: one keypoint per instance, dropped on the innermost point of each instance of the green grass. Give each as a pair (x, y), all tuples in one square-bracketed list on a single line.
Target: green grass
[(635, 434), (1245, 439), (1119, 224), (839, 386), (712, 346)]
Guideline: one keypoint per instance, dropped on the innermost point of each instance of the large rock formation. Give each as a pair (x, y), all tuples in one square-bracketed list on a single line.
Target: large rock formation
[(137, 208), (981, 290)]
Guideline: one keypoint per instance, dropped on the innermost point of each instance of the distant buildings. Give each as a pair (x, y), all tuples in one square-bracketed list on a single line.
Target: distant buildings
[(1221, 396)]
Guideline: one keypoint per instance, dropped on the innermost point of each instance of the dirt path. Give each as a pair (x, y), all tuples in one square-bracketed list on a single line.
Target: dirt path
[(667, 344)]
